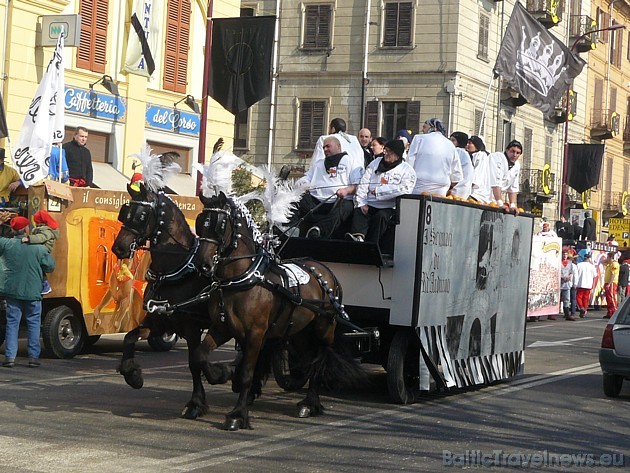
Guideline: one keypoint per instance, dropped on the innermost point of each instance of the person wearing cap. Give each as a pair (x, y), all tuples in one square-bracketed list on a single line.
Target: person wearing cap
[(435, 160), (586, 277), (9, 180), (505, 172), (332, 184), (20, 284), (365, 140), (384, 179), (405, 137), (463, 188), (45, 232), (611, 278), (566, 280)]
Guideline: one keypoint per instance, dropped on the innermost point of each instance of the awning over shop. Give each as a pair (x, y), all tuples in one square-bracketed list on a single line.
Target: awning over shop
[(182, 184), (107, 177)]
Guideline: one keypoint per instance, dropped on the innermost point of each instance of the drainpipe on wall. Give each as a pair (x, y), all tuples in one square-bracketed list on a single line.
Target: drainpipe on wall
[(364, 77)]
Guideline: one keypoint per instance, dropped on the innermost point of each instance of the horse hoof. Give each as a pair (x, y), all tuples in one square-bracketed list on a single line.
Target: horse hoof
[(134, 380), (190, 412), (304, 412), (232, 425)]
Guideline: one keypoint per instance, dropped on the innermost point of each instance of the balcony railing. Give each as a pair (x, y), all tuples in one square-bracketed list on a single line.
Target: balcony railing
[(548, 12), (573, 195), (612, 200), (579, 25), (604, 124), (539, 182)]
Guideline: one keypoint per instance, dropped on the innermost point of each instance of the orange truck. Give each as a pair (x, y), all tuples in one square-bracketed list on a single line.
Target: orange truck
[(93, 293)]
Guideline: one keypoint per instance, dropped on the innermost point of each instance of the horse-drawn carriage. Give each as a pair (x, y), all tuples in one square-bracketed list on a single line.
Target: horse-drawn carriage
[(450, 303)]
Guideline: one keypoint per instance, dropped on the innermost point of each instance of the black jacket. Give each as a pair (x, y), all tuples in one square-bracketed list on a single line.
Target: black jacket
[(623, 274), (79, 161), (588, 229)]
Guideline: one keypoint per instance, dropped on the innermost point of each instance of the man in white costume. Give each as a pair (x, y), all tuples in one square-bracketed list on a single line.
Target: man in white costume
[(435, 160), (505, 173)]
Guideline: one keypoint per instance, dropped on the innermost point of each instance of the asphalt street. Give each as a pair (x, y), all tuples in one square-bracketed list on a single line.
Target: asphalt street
[(78, 415)]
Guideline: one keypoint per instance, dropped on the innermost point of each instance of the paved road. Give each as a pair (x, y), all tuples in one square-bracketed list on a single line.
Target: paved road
[(79, 416)]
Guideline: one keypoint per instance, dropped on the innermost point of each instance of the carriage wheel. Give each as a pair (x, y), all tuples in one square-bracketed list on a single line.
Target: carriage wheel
[(288, 374), (163, 342), (63, 332), (403, 368), (612, 384)]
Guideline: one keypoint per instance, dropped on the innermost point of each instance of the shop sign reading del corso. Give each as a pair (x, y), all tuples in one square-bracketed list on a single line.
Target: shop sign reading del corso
[(110, 107)]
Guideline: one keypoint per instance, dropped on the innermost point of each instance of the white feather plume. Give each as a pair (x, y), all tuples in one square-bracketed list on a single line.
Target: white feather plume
[(217, 175), (279, 197), (157, 169)]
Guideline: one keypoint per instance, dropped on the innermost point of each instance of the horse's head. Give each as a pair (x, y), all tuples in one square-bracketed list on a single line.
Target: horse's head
[(216, 224), (139, 221), (227, 232)]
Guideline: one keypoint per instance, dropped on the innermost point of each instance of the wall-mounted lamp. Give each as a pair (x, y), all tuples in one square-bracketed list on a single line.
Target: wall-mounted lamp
[(190, 101), (108, 83)]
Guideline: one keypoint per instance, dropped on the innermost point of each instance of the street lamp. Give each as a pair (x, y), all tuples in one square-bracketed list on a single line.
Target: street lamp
[(563, 192)]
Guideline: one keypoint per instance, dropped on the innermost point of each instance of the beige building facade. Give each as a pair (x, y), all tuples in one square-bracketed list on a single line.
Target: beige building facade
[(144, 108), (390, 65)]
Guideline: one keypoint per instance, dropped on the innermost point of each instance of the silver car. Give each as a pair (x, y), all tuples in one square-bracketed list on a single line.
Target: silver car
[(614, 354)]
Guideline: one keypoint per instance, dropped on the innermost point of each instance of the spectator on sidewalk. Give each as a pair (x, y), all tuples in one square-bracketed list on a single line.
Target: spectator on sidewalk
[(20, 284), (585, 280), (622, 286)]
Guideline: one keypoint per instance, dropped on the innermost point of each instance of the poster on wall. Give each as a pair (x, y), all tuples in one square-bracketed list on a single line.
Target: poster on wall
[(543, 298)]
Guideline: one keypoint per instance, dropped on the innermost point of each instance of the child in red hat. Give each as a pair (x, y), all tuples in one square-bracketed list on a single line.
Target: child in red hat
[(45, 233)]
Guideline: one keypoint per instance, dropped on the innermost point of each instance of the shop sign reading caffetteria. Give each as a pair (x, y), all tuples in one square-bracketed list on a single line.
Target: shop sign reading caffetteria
[(95, 104)]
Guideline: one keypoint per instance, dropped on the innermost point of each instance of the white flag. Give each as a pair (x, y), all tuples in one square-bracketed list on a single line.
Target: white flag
[(144, 36), (43, 124)]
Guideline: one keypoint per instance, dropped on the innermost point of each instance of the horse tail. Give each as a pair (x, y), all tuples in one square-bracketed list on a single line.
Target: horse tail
[(340, 371)]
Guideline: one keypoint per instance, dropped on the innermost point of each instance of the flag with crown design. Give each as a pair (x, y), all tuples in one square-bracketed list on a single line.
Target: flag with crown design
[(534, 62)]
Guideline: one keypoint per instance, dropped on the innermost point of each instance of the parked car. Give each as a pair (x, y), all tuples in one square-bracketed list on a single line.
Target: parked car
[(614, 354)]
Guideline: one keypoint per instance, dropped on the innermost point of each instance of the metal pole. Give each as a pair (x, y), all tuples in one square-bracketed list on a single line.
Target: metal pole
[(274, 79), (204, 94)]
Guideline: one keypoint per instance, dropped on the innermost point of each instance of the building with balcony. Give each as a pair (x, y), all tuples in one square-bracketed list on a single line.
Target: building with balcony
[(390, 65), (142, 108), (609, 108)]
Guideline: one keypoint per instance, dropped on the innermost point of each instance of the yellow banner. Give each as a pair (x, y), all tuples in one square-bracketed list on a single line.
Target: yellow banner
[(620, 227)]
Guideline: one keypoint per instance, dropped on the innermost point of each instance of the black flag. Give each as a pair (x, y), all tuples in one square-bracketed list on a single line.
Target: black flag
[(534, 62), (241, 61), (146, 50), (4, 129), (584, 164)]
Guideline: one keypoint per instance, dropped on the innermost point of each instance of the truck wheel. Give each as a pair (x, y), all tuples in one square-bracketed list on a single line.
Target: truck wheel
[(403, 368), (287, 374), (63, 332), (612, 384), (164, 342)]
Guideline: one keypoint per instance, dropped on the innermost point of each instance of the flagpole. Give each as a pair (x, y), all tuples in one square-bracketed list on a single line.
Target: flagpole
[(485, 105), (565, 158)]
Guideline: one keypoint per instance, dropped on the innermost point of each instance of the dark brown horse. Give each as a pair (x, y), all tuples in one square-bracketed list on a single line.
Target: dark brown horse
[(262, 301), (173, 276)]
